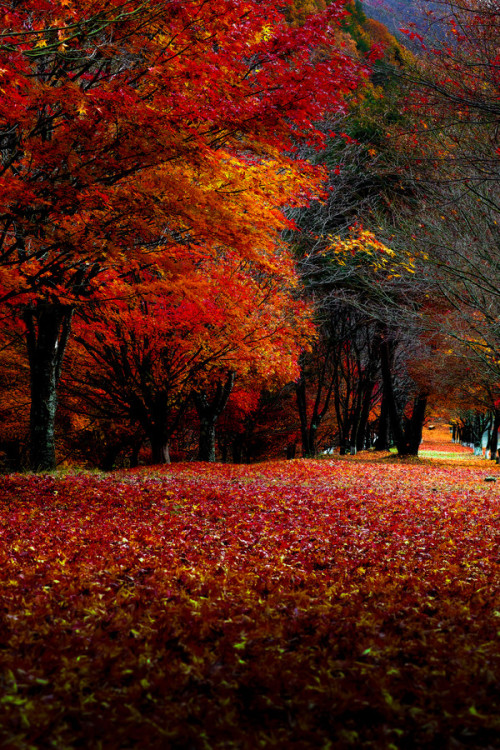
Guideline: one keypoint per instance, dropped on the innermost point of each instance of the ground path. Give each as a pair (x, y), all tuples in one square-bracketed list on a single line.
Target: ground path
[(437, 444)]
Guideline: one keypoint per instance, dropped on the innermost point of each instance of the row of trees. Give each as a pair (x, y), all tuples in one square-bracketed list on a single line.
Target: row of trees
[(215, 214), (455, 109), (144, 176), (423, 176)]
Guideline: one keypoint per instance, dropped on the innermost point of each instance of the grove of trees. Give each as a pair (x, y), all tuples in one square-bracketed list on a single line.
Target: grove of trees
[(245, 228)]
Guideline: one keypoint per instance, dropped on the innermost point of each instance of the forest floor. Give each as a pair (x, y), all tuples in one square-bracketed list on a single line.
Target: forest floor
[(337, 603), (437, 444), (436, 448)]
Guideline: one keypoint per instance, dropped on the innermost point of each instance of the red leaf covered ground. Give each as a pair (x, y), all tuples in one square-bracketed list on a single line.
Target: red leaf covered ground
[(319, 604)]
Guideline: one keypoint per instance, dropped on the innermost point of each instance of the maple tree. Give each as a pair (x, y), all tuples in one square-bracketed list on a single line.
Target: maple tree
[(260, 423), (127, 130), (145, 359)]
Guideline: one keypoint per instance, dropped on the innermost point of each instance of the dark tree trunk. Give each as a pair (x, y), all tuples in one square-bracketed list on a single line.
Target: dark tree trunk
[(209, 411), (414, 425), (160, 450), (355, 418), (493, 446), (390, 399), (361, 432), (134, 455), (152, 410), (47, 331), (309, 429), (300, 390), (407, 439), (382, 441), (206, 444), (343, 424), (311, 440)]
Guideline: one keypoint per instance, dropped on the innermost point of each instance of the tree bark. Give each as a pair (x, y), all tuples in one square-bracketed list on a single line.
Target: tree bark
[(493, 446), (300, 391), (160, 450), (309, 429), (206, 444), (390, 399), (47, 330), (413, 431), (382, 440), (361, 431), (407, 438), (209, 411)]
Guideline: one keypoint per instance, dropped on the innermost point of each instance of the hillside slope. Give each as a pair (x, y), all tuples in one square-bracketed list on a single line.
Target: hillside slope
[(396, 14)]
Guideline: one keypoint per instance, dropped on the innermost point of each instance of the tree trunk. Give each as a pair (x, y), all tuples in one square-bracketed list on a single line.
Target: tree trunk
[(413, 431), (407, 439), (361, 432), (390, 399), (160, 450), (311, 441), (134, 454), (493, 446), (47, 331), (206, 445), (309, 429), (209, 412), (300, 391), (343, 425), (355, 418)]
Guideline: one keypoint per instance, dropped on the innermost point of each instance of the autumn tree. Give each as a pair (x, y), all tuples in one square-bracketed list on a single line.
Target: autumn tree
[(14, 398), (124, 128), (346, 261), (260, 422), (146, 358), (451, 137), (453, 93), (462, 387)]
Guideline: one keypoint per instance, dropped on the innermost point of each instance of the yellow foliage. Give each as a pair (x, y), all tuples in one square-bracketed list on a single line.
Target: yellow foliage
[(364, 247)]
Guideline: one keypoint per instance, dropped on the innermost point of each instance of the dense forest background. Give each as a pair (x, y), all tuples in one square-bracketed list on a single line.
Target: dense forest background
[(229, 235)]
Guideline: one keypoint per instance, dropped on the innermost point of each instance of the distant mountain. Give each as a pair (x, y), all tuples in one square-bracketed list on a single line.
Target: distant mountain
[(421, 15)]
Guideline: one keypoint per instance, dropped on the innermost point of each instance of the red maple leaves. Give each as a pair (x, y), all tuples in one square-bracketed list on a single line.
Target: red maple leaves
[(149, 134), (335, 601)]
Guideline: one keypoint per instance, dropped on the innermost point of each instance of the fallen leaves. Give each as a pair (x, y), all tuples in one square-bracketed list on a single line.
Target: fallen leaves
[(280, 605)]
